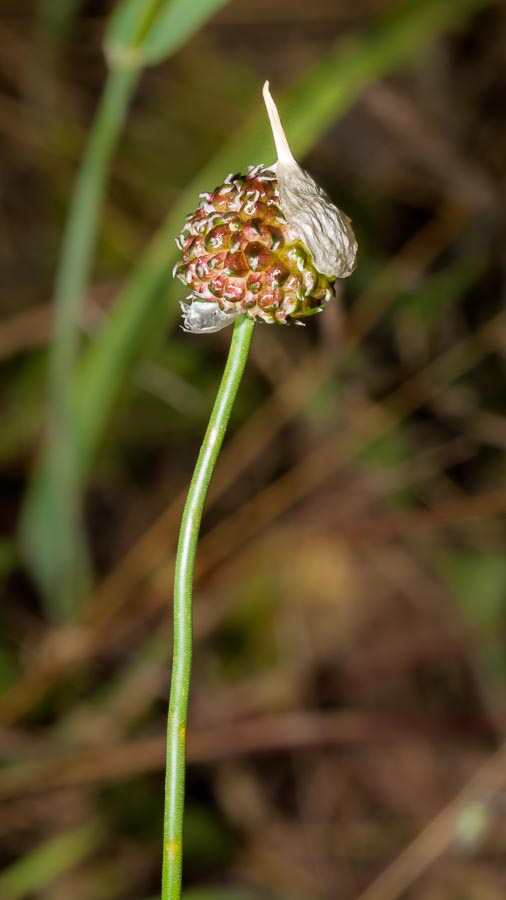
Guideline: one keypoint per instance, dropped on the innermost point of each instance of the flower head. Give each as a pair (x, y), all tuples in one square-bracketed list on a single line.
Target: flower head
[(269, 244)]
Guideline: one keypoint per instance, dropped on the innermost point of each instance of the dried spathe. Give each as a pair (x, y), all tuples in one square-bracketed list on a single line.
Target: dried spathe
[(324, 229)]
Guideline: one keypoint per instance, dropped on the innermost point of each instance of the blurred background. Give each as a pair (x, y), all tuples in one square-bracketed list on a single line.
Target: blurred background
[(350, 598)]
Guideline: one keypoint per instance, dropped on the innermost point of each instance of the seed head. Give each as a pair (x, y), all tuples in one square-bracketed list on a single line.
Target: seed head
[(269, 244)]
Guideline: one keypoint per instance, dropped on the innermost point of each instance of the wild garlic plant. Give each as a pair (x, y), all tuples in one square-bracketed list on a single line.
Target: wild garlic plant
[(267, 246)]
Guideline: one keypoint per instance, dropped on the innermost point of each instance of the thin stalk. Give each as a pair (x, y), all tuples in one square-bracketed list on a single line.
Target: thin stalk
[(183, 594)]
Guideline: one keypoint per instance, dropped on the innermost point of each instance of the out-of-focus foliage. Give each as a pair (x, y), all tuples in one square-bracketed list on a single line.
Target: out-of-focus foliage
[(349, 665), (324, 92)]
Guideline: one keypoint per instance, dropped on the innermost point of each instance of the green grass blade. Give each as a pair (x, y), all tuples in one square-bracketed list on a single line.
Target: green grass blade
[(169, 26), (128, 26), (60, 567), (176, 22), (55, 552), (308, 108), (41, 866), (62, 536)]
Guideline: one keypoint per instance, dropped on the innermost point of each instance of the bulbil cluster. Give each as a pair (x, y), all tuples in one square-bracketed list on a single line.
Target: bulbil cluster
[(239, 251), (269, 245)]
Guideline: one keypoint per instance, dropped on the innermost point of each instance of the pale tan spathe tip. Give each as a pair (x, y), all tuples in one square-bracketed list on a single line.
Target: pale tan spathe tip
[(285, 155), (319, 224)]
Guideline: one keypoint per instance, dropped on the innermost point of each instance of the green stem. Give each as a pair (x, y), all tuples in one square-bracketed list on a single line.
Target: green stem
[(183, 592)]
